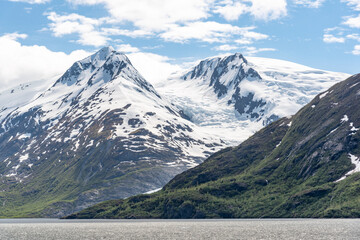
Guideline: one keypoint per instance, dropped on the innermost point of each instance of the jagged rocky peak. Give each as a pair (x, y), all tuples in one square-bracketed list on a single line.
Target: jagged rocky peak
[(225, 77), (106, 60), (103, 127), (223, 73), (215, 67), (103, 53)]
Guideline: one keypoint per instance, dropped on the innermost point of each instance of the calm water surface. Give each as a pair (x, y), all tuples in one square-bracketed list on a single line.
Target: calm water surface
[(180, 229)]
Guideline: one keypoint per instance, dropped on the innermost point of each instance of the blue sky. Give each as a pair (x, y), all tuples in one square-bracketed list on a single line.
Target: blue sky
[(41, 38)]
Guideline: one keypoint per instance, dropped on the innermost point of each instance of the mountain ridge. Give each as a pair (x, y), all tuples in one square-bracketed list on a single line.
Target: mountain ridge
[(101, 131), (275, 89), (306, 165)]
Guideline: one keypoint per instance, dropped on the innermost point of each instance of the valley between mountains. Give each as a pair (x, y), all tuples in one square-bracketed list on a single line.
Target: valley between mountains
[(102, 132)]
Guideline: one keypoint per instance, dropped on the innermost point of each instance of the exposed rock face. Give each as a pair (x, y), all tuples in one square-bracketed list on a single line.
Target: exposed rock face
[(225, 75), (100, 132)]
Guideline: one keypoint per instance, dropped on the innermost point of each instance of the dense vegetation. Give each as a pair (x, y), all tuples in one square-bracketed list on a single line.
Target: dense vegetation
[(288, 169)]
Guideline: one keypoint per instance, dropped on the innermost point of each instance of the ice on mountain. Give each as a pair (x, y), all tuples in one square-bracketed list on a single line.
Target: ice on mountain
[(24, 157), (323, 94), (24, 136), (354, 85), (344, 119), (353, 129), (279, 88)]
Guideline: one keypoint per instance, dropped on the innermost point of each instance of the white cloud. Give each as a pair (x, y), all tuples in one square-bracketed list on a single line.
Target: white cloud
[(329, 38), (204, 31), (21, 64), (243, 41), (254, 35), (89, 30), (232, 10), (353, 36), (180, 21), (155, 15), (14, 36), (210, 32), (153, 67), (355, 4), (248, 37), (310, 3), (73, 23), (31, 1), (268, 10), (225, 48), (353, 22), (251, 51), (126, 48), (260, 9), (356, 50), (126, 32)]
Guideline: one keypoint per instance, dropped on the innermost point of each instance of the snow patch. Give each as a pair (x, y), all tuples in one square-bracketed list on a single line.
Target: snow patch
[(332, 131), (10, 175), (353, 128), (74, 133), (344, 119), (90, 144), (323, 94), (354, 160), (25, 135), (101, 129), (354, 85), (24, 157), (153, 191)]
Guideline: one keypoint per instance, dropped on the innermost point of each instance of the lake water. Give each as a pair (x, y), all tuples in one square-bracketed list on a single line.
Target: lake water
[(37, 229)]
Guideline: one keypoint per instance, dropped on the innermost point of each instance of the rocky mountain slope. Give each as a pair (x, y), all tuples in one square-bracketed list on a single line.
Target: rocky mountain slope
[(101, 131), (306, 165), (235, 96)]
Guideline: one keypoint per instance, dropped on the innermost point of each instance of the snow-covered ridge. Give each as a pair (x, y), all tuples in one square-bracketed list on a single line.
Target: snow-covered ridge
[(105, 120), (234, 96), (20, 95), (105, 94)]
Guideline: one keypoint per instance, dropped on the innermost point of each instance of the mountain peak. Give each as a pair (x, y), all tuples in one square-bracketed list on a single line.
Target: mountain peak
[(239, 56), (103, 53), (107, 49), (106, 59)]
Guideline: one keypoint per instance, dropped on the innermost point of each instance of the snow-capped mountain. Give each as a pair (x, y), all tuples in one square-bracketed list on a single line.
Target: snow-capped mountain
[(303, 166), (101, 131), (20, 95), (233, 96)]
